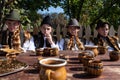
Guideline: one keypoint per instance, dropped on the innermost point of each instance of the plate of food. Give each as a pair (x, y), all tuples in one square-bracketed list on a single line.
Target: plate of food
[(4, 51), (9, 67)]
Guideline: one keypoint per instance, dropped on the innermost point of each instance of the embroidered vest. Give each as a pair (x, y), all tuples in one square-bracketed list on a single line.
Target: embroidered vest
[(14, 40), (72, 42), (111, 41)]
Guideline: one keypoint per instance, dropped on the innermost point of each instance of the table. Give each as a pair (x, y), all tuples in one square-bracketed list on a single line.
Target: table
[(74, 68)]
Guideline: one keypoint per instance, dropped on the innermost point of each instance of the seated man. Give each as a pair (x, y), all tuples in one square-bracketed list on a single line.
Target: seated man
[(13, 35), (71, 41), (44, 38), (103, 39)]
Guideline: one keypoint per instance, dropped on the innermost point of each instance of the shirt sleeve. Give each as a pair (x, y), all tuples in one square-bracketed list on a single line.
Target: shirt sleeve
[(61, 44), (32, 45), (29, 45), (55, 45)]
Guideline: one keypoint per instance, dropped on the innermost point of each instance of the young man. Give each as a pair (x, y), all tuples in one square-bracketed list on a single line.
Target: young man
[(12, 36), (44, 38), (103, 39), (71, 41)]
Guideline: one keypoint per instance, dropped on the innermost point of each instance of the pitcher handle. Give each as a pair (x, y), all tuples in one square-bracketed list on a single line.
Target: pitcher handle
[(47, 73)]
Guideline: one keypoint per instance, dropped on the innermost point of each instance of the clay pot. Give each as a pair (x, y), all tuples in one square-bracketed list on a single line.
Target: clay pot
[(53, 69), (114, 55), (92, 48), (46, 52), (39, 52), (95, 68), (54, 52), (102, 49)]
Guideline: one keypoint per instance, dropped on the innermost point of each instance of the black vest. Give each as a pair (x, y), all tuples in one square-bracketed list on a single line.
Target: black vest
[(6, 38), (39, 40)]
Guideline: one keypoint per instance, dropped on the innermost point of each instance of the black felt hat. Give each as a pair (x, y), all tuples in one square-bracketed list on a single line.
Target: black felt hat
[(74, 23), (47, 20), (13, 15), (101, 23)]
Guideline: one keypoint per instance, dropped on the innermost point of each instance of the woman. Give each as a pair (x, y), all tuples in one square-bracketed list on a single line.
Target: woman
[(44, 38), (72, 41)]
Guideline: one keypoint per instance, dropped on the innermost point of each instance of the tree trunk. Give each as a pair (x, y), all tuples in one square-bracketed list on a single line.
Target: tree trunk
[(80, 8)]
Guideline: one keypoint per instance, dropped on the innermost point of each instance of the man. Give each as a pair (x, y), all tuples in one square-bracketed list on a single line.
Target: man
[(72, 41), (44, 38), (103, 39), (12, 36)]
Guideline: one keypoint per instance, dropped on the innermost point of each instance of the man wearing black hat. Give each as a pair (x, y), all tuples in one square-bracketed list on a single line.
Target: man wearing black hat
[(44, 38), (72, 41), (12, 35), (103, 39)]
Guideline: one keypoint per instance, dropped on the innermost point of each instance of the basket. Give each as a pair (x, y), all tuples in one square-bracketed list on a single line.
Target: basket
[(114, 55), (86, 62), (81, 56), (102, 49), (95, 68)]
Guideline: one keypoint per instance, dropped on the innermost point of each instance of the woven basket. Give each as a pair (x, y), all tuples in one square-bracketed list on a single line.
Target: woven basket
[(86, 62), (81, 56), (102, 50), (95, 68), (114, 55)]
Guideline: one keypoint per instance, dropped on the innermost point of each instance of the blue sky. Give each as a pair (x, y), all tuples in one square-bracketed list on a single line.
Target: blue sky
[(52, 10)]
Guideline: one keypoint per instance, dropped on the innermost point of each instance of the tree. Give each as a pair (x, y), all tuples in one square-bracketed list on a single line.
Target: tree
[(88, 12), (28, 8)]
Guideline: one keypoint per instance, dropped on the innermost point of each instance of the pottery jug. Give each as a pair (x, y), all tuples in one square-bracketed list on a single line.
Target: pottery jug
[(92, 48), (53, 69)]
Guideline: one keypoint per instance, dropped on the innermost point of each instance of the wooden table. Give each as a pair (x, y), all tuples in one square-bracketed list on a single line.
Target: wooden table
[(74, 68)]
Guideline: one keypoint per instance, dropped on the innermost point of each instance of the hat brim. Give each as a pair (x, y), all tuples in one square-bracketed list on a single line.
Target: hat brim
[(12, 19), (73, 26)]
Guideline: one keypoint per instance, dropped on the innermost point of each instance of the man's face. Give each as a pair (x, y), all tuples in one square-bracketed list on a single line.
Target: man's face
[(73, 30), (12, 25), (46, 29), (103, 31)]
